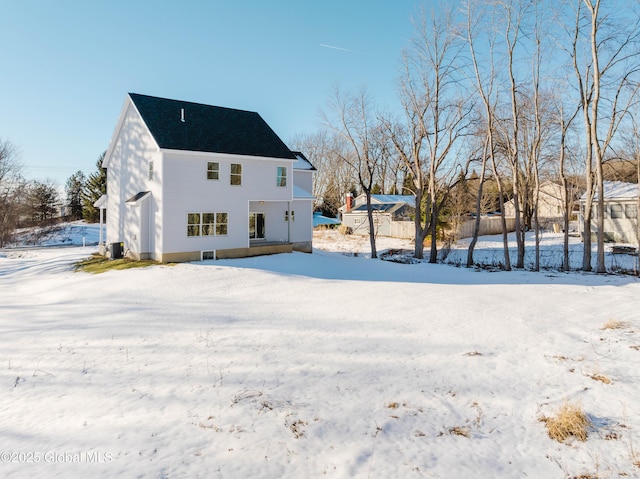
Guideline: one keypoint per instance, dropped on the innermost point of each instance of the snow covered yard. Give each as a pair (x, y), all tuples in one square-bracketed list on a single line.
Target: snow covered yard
[(310, 366)]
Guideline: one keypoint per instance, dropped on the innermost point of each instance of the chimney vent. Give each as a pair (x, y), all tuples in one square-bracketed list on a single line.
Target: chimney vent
[(182, 115)]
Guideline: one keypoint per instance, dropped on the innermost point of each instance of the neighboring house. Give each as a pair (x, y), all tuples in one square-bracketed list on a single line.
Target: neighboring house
[(392, 215), (550, 204), (620, 212), (187, 181)]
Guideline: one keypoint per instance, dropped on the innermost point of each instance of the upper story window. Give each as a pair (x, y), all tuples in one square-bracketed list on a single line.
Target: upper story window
[(282, 176), (236, 174), (213, 170)]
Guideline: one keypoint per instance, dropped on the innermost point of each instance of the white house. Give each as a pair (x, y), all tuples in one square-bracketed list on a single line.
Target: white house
[(187, 181), (620, 212)]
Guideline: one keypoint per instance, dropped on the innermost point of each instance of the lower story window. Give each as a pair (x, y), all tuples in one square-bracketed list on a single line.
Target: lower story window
[(193, 224), (207, 224)]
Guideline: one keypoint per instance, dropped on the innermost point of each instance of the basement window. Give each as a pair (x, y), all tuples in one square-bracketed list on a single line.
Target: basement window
[(206, 255)]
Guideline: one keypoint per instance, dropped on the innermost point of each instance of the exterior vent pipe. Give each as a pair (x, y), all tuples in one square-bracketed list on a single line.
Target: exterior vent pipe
[(182, 115)]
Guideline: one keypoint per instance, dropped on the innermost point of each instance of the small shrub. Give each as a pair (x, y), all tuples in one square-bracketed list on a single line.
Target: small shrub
[(459, 431), (344, 230), (569, 421), (614, 324)]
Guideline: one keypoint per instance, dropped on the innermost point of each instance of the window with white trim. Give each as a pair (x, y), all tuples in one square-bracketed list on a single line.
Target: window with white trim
[(193, 224), (213, 170), (236, 174), (222, 220), (616, 211), (207, 224), (281, 179), (631, 211), (293, 215)]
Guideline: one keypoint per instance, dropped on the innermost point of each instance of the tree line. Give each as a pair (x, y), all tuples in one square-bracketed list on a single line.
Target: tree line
[(26, 203), (493, 99)]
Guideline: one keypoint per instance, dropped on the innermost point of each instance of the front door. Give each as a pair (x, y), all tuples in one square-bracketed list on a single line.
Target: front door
[(256, 225)]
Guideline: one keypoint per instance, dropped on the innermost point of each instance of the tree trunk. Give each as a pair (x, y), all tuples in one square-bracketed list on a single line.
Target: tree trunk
[(372, 231), (476, 224)]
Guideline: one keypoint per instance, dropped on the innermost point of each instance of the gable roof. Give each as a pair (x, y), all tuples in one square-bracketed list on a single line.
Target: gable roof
[(182, 125), (618, 190), (303, 163)]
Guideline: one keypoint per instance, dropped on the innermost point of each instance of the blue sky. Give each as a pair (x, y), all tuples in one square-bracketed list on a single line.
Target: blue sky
[(67, 65)]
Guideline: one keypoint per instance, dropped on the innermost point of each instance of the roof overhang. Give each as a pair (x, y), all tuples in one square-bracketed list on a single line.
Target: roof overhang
[(138, 198), (101, 202)]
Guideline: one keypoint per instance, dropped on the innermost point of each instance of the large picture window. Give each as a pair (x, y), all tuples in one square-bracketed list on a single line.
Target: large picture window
[(207, 224), (282, 176), (236, 174)]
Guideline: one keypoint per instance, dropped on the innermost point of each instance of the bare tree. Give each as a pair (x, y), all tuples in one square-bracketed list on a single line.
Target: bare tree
[(11, 190), (564, 122), (333, 177), (485, 86), (435, 118), (624, 47), (355, 123), (604, 55)]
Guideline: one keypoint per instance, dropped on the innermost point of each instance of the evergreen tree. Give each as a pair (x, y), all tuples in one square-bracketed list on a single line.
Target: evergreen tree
[(42, 201), (74, 188), (95, 187)]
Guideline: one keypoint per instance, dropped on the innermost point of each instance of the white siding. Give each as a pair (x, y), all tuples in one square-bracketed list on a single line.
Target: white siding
[(302, 226), (128, 174), (189, 191), (303, 179)]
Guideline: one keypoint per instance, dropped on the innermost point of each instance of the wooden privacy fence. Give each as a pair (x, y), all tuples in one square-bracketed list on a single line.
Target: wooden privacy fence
[(489, 225)]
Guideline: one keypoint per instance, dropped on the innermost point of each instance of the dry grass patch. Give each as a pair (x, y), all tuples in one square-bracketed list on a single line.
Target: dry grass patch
[(600, 377), (472, 353), (459, 431), (99, 264), (570, 420), (615, 324)]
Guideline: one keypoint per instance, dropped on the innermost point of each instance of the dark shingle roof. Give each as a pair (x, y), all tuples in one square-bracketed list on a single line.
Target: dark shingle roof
[(208, 128)]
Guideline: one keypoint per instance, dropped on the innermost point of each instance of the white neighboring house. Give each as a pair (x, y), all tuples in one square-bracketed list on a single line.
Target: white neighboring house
[(187, 181), (620, 212)]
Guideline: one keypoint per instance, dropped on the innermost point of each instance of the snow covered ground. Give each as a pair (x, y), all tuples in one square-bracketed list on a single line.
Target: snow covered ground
[(322, 365)]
